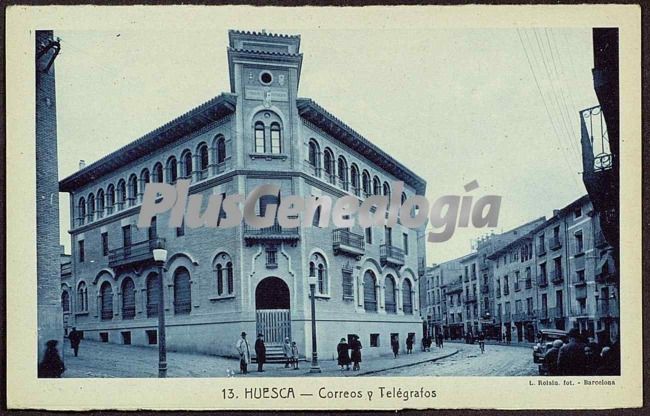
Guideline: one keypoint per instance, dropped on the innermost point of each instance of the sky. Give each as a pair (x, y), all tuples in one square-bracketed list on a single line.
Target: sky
[(499, 106)]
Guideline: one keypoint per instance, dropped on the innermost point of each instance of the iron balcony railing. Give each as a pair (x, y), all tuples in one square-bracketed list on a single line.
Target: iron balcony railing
[(542, 280), (454, 287), (542, 313), (556, 276), (274, 232), (597, 155), (134, 253), (599, 240), (541, 249), (391, 254), (506, 291), (470, 298), (346, 241), (517, 288), (555, 312), (529, 283), (578, 280), (605, 276)]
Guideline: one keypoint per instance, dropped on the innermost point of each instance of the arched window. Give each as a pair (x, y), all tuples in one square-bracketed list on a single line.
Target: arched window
[(186, 164), (221, 149), (369, 292), (328, 165), (376, 186), (158, 173), (153, 294), (365, 181), (106, 301), (389, 296), (128, 299), (81, 211), (182, 292), (260, 139), (276, 138), (82, 297), (144, 178), (133, 190), (204, 160), (313, 157), (121, 194), (100, 203), (343, 173), (407, 297), (65, 301), (222, 267), (91, 208), (172, 170), (354, 179), (318, 269), (110, 199), (387, 190), (403, 198)]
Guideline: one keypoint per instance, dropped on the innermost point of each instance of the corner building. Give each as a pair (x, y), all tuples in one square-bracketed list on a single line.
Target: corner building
[(219, 282)]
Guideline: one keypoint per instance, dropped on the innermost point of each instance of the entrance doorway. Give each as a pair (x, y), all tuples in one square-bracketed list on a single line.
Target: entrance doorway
[(273, 313)]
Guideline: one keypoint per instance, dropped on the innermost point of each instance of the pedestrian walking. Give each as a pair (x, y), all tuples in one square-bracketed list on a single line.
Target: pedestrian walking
[(441, 340), (550, 358), (394, 344), (409, 344), (75, 339), (260, 352), (244, 353), (52, 365), (343, 354), (286, 349), (355, 346), (294, 355), (428, 341), (571, 358), (591, 361), (481, 341)]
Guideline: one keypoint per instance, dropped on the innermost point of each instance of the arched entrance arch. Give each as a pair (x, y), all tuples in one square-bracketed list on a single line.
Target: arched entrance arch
[(272, 308)]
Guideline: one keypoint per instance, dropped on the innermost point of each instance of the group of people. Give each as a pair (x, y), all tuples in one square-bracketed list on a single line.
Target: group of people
[(289, 348), (579, 358), (349, 353), (427, 339)]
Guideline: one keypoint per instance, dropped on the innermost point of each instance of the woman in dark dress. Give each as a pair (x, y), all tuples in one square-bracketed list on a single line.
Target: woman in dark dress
[(355, 346), (343, 354)]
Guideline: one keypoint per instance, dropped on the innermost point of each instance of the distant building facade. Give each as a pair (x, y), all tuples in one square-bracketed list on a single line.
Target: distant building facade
[(558, 273), (219, 282)]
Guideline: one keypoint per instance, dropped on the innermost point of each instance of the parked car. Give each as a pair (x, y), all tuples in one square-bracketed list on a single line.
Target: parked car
[(545, 341)]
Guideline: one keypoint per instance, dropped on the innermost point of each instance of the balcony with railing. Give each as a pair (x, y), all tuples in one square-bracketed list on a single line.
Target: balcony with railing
[(135, 253), (347, 242), (556, 276), (542, 280), (529, 283), (542, 313), (517, 287), (541, 249), (253, 235), (470, 298), (455, 287), (555, 312), (578, 280), (554, 243), (506, 291), (391, 255)]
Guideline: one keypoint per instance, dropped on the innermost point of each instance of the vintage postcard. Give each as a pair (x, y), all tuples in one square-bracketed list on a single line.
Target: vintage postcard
[(324, 207)]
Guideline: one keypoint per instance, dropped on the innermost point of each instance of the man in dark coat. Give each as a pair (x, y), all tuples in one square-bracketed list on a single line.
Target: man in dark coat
[(51, 366), (343, 353), (75, 339), (571, 358), (409, 344), (260, 352), (394, 344), (355, 355)]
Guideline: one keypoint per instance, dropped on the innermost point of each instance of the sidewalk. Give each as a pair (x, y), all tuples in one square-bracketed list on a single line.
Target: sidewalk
[(492, 342), (98, 359)]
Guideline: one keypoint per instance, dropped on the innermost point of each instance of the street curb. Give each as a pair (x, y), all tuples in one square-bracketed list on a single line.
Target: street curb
[(407, 365)]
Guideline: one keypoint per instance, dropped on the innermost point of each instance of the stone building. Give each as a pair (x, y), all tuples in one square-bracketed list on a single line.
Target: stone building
[(219, 282), (557, 273)]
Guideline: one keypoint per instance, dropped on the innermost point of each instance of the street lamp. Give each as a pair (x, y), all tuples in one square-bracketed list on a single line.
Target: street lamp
[(160, 256), (315, 368)]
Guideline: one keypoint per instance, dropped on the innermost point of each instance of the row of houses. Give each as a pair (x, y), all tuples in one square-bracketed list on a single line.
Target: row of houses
[(556, 273)]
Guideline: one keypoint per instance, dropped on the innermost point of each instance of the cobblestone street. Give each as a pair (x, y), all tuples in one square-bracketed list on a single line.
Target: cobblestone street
[(498, 360)]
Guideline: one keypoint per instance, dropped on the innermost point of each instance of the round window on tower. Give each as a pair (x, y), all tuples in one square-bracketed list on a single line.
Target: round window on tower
[(266, 78)]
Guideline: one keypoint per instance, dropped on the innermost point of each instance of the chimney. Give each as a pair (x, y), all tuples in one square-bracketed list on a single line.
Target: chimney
[(82, 164), (556, 212)]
